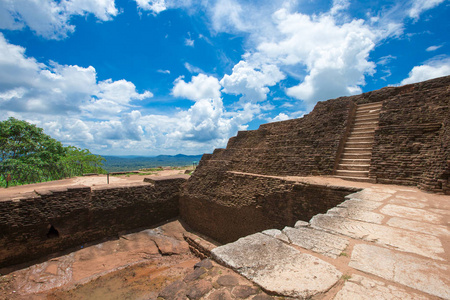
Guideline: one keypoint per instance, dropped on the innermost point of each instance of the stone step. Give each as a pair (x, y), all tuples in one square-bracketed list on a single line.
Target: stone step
[(368, 112), (357, 155), (367, 118), (361, 135), (357, 151), (370, 105), (365, 122), (364, 145), (353, 167), (350, 173), (359, 179), (361, 138), (356, 161), (360, 131)]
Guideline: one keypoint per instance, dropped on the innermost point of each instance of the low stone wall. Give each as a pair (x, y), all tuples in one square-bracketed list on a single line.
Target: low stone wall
[(243, 204), (53, 220)]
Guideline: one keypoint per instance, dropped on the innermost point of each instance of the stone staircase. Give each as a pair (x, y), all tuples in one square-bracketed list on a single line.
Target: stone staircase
[(355, 159)]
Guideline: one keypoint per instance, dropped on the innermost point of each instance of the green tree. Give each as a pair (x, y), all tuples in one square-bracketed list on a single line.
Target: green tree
[(24, 142), (30, 155), (91, 163)]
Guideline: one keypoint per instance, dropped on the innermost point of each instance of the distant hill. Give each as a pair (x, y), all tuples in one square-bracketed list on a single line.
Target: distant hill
[(132, 162)]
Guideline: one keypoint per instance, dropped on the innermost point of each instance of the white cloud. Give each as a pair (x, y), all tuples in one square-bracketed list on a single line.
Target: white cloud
[(51, 19), (156, 6), (163, 71), (29, 86), (432, 69), (189, 42), (338, 6), (335, 56), (250, 81), (106, 116), (192, 69), (279, 117), (201, 87), (433, 48), (419, 6)]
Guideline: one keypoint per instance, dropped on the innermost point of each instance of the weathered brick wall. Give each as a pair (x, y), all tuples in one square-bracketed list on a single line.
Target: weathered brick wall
[(80, 215), (412, 140), (242, 204), (304, 146)]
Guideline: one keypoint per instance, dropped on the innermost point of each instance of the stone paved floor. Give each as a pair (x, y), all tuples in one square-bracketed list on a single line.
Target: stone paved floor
[(384, 242)]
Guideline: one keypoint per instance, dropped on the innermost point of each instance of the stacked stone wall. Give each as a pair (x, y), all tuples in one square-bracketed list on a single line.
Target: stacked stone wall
[(304, 146), (412, 142), (243, 204), (79, 215)]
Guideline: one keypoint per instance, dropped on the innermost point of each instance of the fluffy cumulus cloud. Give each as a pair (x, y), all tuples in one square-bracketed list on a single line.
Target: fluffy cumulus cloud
[(155, 6), (73, 107), (49, 18), (200, 87), (431, 69), (334, 56), (250, 81), (29, 86)]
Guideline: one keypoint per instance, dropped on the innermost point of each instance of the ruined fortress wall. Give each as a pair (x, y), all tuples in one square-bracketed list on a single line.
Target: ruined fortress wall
[(81, 214), (304, 146), (242, 204), (411, 147), (412, 142)]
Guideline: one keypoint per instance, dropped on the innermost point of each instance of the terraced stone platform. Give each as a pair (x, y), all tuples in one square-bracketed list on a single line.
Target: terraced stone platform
[(383, 242)]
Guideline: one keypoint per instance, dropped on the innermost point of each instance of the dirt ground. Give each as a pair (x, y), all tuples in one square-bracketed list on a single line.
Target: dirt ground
[(94, 180)]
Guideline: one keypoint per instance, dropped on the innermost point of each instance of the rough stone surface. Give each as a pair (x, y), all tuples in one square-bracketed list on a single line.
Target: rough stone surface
[(278, 234), (170, 291), (194, 275), (360, 287), (199, 289), (421, 274), (316, 240), (228, 280), (205, 263), (220, 295), (244, 291), (277, 267), (411, 213), (414, 242), (436, 230)]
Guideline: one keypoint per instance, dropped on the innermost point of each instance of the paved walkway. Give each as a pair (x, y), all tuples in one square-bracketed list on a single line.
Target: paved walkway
[(384, 242)]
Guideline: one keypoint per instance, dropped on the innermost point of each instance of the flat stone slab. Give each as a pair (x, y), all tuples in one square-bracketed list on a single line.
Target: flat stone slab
[(316, 240), (421, 274), (369, 195), (403, 240), (277, 234), (356, 213), (360, 287), (412, 213), (277, 267), (436, 230)]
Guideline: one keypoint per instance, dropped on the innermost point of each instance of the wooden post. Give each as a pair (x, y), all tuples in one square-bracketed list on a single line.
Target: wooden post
[(8, 179)]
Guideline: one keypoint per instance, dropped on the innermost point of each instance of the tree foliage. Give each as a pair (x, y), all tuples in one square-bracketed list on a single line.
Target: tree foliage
[(30, 155)]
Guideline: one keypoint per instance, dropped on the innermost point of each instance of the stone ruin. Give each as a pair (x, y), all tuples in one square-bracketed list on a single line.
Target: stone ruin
[(403, 138), (396, 135)]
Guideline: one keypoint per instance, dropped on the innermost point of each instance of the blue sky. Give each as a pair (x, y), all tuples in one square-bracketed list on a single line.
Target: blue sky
[(149, 77)]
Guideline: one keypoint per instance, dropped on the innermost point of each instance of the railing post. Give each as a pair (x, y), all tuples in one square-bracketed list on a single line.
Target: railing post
[(107, 177), (8, 179)]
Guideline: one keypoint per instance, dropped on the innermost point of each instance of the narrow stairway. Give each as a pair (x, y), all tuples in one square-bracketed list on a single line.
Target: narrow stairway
[(355, 159)]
